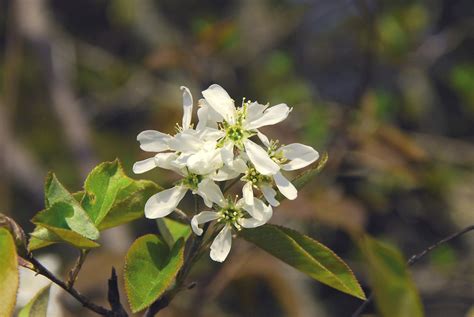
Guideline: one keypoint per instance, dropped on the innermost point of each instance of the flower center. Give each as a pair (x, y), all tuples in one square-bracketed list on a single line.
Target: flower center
[(230, 215), (192, 181), (275, 154), (255, 177)]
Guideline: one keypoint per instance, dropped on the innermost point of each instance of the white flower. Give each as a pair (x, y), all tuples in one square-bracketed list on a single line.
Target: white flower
[(234, 216), (288, 157), (163, 203), (195, 146), (239, 124)]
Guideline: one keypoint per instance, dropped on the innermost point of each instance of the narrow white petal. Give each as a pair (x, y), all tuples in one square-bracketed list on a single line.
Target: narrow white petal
[(153, 141), (300, 156), (185, 142), (209, 190), (247, 193), (254, 111), (225, 173), (221, 245), (219, 100), (260, 159), (168, 161), (227, 153), (272, 115), (269, 193), (162, 204), (259, 211), (238, 165), (263, 138), (187, 107), (144, 166), (285, 186), (202, 217)]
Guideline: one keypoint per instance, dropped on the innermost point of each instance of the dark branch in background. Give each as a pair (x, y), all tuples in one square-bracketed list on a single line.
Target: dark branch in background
[(413, 259), (113, 296)]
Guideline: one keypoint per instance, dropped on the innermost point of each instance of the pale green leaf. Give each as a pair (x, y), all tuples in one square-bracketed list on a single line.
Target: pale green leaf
[(394, 290), (307, 255), (8, 273), (113, 198), (38, 305), (42, 237), (150, 268), (68, 216)]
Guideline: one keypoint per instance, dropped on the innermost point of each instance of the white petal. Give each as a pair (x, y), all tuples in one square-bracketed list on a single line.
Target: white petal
[(144, 166), (260, 159), (285, 186), (259, 211), (221, 245), (225, 173), (300, 156), (187, 107), (185, 142), (153, 141), (227, 153), (168, 161), (254, 111), (247, 193), (162, 204), (209, 190), (219, 100), (202, 217), (272, 115), (263, 138), (269, 193)]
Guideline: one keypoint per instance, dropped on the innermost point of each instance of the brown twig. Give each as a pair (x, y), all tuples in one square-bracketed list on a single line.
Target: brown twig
[(72, 276), (40, 269), (412, 260)]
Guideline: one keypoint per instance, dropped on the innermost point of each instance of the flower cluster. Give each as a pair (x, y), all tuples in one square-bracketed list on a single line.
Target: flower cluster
[(222, 147)]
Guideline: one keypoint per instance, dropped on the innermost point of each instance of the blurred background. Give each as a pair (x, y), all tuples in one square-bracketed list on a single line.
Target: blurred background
[(385, 87)]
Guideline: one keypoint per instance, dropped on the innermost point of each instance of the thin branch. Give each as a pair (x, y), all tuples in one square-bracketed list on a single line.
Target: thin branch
[(72, 276), (414, 259), (40, 269)]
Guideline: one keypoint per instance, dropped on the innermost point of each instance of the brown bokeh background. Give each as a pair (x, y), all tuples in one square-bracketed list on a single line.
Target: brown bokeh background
[(385, 87)]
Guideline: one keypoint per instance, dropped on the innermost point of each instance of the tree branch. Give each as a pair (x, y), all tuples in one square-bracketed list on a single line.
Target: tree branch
[(40, 269), (72, 276), (413, 259)]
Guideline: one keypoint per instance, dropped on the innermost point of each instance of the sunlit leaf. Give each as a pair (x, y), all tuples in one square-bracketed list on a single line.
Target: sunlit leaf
[(38, 305), (8, 273), (150, 268), (112, 198), (394, 290), (68, 216), (42, 237), (307, 255)]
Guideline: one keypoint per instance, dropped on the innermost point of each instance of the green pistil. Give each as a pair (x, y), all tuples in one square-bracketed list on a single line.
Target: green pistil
[(230, 215), (275, 153), (192, 180), (255, 177)]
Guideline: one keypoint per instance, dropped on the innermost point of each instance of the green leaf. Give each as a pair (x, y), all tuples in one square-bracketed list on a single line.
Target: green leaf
[(69, 216), (307, 255), (129, 204), (55, 192), (38, 306), (302, 179), (42, 237), (176, 229), (113, 198), (8, 273), (394, 290), (150, 268)]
